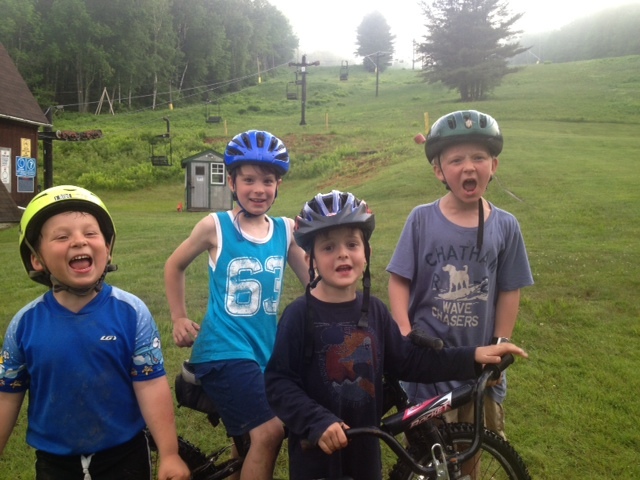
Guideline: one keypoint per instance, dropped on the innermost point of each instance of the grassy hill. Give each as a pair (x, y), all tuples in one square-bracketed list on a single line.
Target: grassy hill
[(568, 172)]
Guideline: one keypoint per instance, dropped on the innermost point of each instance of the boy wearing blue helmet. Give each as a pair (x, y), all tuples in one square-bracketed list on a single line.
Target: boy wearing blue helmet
[(460, 262), (247, 252)]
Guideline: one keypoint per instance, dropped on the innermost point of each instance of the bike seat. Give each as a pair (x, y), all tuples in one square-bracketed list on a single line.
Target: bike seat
[(190, 394)]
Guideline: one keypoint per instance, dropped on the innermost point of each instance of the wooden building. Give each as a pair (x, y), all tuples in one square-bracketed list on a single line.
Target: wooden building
[(20, 119), (206, 182)]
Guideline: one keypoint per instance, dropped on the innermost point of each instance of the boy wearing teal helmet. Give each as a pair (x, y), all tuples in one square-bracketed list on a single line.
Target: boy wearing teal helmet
[(247, 253), (460, 261), (88, 353)]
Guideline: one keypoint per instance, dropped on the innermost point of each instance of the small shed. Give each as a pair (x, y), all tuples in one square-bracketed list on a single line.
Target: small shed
[(206, 186), (20, 119)]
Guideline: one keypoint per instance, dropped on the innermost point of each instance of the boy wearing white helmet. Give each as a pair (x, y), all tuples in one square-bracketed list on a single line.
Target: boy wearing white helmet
[(334, 343), (460, 261), (247, 252), (88, 353)]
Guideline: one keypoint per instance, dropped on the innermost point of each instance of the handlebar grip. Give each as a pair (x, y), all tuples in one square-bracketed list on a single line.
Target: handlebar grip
[(507, 360), (420, 338)]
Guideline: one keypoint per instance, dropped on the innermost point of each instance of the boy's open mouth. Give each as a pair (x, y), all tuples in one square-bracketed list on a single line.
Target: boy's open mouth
[(469, 185), (81, 262)]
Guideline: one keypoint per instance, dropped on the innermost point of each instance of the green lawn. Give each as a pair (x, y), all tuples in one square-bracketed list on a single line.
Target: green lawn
[(568, 172)]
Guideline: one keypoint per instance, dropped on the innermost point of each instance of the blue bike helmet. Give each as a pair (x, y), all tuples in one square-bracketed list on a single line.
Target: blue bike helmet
[(460, 127), (257, 147)]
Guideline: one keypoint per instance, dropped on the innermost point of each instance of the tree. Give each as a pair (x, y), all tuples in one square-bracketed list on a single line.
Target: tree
[(375, 42), (467, 47)]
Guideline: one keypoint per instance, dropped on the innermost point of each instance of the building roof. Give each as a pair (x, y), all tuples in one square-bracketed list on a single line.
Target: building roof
[(204, 156), (16, 100)]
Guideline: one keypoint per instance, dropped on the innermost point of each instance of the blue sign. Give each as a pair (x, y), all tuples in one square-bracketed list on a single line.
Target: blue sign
[(25, 167)]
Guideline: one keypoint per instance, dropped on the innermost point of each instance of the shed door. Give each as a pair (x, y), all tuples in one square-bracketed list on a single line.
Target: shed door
[(199, 186)]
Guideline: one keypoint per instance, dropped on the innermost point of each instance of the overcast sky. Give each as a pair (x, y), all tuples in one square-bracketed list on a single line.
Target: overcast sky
[(330, 25)]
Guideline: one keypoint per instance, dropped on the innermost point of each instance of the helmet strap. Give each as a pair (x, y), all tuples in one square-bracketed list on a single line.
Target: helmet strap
[(313, 279), (81, 292), (363, 322), (480, 237)]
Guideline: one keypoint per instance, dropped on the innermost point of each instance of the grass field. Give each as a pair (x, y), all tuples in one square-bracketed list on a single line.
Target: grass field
[(568, 172)]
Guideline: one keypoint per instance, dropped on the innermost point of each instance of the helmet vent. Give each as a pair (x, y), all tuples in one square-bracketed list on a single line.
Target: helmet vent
[(246, 140)]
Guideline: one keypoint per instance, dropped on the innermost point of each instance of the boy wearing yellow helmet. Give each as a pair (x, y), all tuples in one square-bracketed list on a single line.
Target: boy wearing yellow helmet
[(88, 353)]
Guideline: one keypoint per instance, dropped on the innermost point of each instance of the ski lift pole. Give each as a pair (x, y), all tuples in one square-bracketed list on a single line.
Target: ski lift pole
[(303, 69)]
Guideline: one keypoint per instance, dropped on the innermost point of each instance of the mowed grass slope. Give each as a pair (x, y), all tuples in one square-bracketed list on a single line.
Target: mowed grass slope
[(568, 172)]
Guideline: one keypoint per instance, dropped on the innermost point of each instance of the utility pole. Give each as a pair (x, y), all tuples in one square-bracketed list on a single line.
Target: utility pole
[(303, 69), (377, 65), (377, 71)]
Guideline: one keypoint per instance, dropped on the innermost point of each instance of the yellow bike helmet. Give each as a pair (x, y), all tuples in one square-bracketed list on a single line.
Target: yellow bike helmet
[(55, 200)]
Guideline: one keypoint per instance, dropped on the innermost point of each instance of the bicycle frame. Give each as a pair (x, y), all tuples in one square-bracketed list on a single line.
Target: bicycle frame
[(414, 416)]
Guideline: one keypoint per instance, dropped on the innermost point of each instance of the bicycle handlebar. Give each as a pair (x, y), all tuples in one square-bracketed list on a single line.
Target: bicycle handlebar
[(420, 338)]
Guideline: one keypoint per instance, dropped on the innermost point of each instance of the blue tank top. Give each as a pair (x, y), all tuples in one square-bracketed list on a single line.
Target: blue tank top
[(245, 283)]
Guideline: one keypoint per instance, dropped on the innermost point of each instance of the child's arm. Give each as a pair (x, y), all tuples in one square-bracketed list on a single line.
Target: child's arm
[(201, 239), (156, 405), (10, 404), (297, 259), (506, 313), (399, 301)]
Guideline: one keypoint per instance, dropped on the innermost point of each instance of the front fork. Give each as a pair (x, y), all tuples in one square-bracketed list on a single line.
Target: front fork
[(432, 438)]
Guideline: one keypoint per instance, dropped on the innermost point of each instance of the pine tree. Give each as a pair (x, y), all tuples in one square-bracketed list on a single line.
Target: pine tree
[(375, 42), (467, 46)]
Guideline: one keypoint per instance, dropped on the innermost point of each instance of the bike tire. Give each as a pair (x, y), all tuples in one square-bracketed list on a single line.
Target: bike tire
[(498, 459)]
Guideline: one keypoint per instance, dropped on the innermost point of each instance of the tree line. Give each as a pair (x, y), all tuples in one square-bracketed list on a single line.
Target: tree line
[(69, 51), (611, 33)]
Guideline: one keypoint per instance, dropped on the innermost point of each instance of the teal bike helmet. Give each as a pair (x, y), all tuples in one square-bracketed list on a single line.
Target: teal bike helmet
[(463, 126)]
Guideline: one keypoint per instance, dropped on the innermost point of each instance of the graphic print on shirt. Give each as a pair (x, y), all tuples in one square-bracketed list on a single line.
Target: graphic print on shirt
[(459, 297), (349, 363), (149, 356), (245, 283)]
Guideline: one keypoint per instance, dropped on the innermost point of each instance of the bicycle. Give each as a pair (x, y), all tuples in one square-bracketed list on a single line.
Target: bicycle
[(437, 450), (216, 465)]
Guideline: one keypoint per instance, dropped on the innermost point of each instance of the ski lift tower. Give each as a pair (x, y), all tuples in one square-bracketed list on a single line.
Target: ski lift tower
[(303, 70)]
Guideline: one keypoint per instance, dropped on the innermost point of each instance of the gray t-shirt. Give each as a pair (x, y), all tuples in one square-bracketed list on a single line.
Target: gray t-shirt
[(454, 287)]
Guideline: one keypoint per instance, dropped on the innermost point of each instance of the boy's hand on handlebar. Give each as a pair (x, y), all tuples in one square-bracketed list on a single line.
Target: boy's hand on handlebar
[(334, 438), (185, 331), (173, 468), (493, 353)]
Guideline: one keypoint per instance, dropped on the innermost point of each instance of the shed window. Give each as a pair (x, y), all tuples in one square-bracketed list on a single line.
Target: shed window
[(217, 174)]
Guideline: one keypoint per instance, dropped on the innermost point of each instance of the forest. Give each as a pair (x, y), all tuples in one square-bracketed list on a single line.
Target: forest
[(69, 51), (611, 33), (74, 52)]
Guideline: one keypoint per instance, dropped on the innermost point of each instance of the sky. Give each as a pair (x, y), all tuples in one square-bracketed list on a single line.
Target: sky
[(331, 25)]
